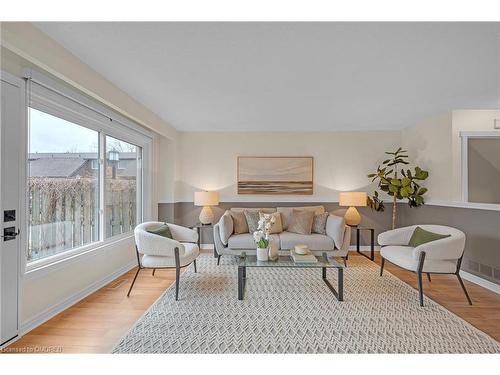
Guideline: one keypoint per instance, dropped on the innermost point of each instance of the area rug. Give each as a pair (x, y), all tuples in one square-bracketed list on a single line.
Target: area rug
[(293, 311)]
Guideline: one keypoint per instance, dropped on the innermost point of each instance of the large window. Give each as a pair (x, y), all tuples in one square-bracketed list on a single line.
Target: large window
[(481, 170), (85, 180), (63, 190), (123, 162)]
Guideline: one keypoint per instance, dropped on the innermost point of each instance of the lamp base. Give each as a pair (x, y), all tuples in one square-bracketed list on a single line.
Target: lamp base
[(206, 215), (352, 217)]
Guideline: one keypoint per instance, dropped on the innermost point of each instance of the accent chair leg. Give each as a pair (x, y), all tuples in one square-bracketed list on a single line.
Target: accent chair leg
[(463, 287), (429, 276), (194, 264), (419, 278), (218, 259), (177, 273), (154, 270), (382, 262), (420, 289), (177, 284), (345, 261), (133, 281)]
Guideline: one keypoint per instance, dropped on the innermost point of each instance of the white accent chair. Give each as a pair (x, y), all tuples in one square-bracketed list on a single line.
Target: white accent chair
[(442, 256), (158, 252)]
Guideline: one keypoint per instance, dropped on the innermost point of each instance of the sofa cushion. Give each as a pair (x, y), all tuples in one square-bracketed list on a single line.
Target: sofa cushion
[(301, 222), (402, 256), (286, 213), (314, 241), (225, 227), (319, 223), (335, 229), (277, 227), (252, 220), (246, 241), (239, 222)]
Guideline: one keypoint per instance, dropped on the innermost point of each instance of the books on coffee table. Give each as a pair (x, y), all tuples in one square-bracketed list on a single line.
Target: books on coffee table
[(306, 258)]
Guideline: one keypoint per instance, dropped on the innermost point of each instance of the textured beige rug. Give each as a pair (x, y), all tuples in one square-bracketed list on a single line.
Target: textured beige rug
[(293, 311)]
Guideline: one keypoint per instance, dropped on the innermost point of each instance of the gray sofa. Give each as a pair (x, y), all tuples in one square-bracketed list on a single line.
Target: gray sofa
[(335, 243)]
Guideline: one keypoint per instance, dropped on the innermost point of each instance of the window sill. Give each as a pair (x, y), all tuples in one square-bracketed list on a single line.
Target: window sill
[(471, 205), (43, 266)]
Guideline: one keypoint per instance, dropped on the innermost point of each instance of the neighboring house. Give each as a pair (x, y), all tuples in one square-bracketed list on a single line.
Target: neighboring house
[(75, 165)]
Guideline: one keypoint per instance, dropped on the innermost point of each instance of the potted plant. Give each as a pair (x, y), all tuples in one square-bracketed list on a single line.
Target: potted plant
[(399, 183), (262, 236)]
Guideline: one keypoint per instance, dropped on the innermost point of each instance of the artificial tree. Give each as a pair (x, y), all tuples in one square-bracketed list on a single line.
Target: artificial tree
[(405, 187)]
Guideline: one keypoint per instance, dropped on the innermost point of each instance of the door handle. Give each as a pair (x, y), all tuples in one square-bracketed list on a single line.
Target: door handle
[(10, 233)]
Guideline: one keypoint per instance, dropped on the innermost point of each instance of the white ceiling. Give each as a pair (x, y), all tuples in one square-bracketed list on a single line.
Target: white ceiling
[(293, 76)]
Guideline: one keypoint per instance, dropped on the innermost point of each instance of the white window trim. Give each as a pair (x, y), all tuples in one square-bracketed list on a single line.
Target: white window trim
[(465, 136), (58, 100)]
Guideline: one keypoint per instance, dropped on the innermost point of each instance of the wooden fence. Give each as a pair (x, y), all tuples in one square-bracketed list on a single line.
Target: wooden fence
[(63, 213)]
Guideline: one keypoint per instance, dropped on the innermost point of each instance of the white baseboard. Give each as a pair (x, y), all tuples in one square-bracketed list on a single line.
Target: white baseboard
[(207, 246), (70, 301), (480, 281)]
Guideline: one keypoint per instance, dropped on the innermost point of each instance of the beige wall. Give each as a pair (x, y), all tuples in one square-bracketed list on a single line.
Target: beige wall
[(166, 165), (429, 146), (341, 160)]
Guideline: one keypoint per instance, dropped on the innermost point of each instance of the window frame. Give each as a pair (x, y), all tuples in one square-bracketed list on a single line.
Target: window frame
[(465, 136), (49, 96)]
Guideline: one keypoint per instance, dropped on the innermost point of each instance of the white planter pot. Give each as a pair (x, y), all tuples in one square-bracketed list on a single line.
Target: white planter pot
[(262, 254)]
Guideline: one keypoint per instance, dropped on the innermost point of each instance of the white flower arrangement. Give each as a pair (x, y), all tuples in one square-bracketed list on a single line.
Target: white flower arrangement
[(261, 236)]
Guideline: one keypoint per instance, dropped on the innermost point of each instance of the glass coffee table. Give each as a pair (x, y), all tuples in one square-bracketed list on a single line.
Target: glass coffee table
[(287, 262)]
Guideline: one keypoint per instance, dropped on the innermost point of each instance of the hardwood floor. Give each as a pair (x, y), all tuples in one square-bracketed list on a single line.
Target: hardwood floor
[(95, 324)]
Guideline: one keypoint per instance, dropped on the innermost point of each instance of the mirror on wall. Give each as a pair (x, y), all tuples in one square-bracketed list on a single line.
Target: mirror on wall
[(482, 164)]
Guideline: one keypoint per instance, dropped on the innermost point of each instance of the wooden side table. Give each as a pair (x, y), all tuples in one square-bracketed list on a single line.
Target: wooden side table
[(372, 242), (198, 227)]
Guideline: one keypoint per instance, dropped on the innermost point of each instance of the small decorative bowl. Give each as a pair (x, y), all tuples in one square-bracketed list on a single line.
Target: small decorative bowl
[(301, 249)]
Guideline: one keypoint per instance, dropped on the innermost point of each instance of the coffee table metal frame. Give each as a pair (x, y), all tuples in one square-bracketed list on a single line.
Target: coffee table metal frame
[(287, 262)]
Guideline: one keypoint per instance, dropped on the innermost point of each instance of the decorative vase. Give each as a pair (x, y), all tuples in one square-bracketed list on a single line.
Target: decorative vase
[(274, 252), (262, 254)]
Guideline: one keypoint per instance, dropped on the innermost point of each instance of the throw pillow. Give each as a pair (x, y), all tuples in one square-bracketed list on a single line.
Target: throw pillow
[(239, 222), (225, 227), (163, 230), (252, 217), (421, 236), (319, 223), (301, 222), (335, 229), (277, 227), (286, 213)]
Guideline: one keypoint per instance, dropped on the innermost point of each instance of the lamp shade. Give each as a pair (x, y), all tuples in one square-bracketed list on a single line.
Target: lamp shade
[(353, 198), (206, 198)]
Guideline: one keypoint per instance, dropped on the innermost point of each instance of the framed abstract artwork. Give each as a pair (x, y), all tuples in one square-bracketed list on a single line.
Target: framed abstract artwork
[(275, 175)]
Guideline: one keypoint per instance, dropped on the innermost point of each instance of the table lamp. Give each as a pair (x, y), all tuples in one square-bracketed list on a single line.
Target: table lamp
[(206, 199), (352, 199)]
